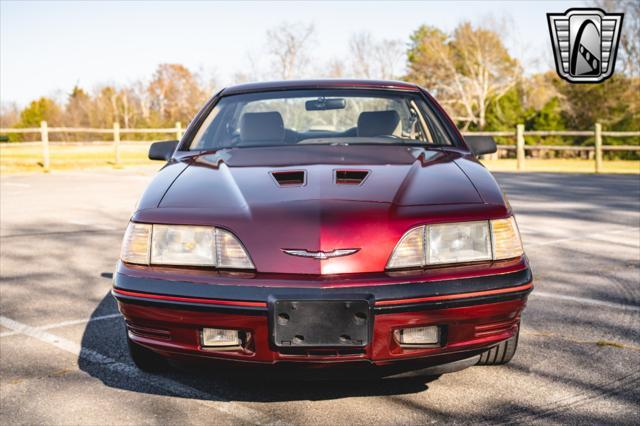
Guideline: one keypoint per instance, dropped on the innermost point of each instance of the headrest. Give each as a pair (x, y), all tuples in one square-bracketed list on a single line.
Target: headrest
[(377, 123), (262, 127)]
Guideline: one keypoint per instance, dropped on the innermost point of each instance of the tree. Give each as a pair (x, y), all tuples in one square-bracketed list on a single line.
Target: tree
[(467, 70), (614, 103), (10, 117), (628, 60), (335, 69), (78, 109), (288, 45), (43, 109), (375, 59), (174, 94), (105, 110), (9, 114)]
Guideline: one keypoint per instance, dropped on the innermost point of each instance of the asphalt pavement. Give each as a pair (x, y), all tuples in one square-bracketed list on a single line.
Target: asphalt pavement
[(63, 356)]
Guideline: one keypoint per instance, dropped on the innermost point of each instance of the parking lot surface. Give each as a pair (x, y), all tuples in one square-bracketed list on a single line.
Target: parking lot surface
[(63, 356)]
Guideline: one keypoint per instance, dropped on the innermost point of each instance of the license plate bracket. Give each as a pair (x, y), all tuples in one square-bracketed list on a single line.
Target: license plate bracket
[(320, 323)]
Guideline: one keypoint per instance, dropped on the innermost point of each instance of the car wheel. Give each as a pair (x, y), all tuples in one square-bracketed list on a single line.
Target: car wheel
[(502, 353), (145, 359)]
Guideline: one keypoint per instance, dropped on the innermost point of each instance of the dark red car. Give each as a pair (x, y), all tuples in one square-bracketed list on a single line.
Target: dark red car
[(323, 222)]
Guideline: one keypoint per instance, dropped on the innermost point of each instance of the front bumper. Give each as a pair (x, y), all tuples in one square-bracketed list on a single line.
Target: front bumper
[(474, 314)]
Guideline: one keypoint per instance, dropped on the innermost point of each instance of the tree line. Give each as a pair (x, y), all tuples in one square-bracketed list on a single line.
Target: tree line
[(469, 70)]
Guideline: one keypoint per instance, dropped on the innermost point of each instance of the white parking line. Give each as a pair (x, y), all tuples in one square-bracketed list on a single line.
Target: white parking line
[(231, 408), (588, 301), (64, 324)]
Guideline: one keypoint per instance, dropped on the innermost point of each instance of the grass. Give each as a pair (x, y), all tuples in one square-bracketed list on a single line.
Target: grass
[(23, 159)]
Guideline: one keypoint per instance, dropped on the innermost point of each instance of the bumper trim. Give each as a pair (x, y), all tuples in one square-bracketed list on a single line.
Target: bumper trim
[(388, 298), (189, 303), (261, 293), (461, 301), (454, 296), (192, 299)]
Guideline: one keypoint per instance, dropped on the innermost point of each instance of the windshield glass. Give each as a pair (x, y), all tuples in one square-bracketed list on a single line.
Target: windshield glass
[(321, 116)]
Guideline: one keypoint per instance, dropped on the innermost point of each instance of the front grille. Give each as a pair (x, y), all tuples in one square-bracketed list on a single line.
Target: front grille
[(334, 353)]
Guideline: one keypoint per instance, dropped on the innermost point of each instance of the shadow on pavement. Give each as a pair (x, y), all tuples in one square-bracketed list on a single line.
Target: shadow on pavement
[(108, 338), (594, 196)]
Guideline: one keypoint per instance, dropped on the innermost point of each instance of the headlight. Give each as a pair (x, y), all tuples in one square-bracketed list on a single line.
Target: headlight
[(183, 245), (457, 243)]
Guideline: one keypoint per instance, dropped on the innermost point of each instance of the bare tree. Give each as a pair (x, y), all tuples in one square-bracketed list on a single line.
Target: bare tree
[(628, 60), (361, 47), (335, 69), (9, 114), (390, 58), (251, 71), (141, 95), (175, 93), (375, 59), (288, 45), (466, 70)]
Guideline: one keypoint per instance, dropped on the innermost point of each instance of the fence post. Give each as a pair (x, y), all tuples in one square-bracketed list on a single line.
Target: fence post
[(178, 130), (598, 136), (44, 137), (520, 146), (116, 143)]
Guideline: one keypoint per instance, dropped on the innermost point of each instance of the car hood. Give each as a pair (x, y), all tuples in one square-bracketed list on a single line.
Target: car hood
[(244, 178), (235, 189)]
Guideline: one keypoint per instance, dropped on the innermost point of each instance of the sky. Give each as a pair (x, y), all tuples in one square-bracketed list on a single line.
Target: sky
[(48, 47)]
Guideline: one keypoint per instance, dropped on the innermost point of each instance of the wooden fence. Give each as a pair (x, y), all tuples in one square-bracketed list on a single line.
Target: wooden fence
[(518, 133)]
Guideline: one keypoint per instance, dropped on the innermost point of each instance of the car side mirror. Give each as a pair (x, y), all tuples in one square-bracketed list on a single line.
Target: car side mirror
[(162, 150), (480, 145)]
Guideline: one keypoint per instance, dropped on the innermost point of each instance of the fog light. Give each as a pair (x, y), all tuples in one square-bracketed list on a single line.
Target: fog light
[(418, 335), (219, 337)]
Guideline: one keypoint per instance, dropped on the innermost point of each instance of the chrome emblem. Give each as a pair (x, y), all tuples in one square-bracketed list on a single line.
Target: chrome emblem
[(320, 255), (585, 42)]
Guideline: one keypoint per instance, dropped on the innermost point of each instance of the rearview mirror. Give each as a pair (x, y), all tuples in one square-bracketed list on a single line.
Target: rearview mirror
[(480, 145), (322, 104), (162, 150)]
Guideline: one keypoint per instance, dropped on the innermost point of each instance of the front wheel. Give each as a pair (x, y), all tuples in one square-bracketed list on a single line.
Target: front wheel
[(145, 359), (502, 353)]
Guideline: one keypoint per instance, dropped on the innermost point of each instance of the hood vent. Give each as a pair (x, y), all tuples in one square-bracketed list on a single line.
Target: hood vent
[(351, 177), (290, 177)]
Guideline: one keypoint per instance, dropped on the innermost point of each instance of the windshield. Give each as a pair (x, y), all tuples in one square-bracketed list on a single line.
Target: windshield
[(322, 116)]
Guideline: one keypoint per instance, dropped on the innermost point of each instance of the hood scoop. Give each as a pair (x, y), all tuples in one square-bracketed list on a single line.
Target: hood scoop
[(290, 177), (350, 177)]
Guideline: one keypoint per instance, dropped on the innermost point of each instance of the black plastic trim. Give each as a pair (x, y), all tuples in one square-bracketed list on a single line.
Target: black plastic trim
[(443, 304), (377, 293), (190, 306)]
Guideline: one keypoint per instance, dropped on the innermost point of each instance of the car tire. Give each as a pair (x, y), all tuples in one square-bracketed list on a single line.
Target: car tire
[(145, 359), (502, 353)]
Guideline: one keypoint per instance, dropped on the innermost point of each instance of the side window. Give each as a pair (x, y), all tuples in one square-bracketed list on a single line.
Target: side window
[(437, 133)]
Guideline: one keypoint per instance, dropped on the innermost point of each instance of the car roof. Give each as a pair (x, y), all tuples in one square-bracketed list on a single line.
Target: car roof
[(319, 84)]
